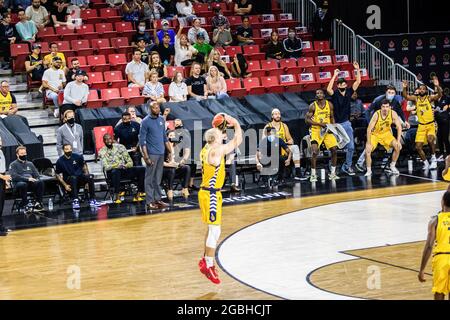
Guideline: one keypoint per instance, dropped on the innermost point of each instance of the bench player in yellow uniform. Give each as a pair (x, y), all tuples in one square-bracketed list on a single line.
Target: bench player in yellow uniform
[(438, 243), (379, 132), (212, 157), (426, 131), (319, 115), (446, 172)]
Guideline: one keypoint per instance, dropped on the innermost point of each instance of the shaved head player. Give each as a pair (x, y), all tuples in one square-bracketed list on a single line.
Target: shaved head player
[(213, 177)]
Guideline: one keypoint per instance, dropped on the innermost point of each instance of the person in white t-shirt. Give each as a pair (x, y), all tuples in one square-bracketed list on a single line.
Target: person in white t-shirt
[(53, 81), (178, 89), (38, 14), (184, 51)]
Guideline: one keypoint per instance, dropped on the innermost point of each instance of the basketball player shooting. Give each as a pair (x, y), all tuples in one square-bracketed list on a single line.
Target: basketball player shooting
[(213, 177)]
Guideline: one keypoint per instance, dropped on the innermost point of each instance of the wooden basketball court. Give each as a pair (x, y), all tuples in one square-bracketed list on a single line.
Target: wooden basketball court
[(156, 256)]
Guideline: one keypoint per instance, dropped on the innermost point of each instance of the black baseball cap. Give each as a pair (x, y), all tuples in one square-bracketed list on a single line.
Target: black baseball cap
[(80, 73), (341, 80)]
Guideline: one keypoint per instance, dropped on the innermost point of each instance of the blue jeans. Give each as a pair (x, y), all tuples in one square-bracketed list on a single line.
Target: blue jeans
[(350, 147)]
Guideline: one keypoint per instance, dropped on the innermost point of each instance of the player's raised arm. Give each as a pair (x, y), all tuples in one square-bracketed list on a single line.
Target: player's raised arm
[(237, 139), (437, 88), (405, 92)]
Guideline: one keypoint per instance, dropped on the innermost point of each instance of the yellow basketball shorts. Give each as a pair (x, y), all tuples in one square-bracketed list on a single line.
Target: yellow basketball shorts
[(384, 139), (210, 206), (328, 139), (441, 270), (425, 130), (446, 177)]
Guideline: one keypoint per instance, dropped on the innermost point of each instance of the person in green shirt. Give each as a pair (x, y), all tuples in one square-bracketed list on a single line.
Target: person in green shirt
[(201, 46)]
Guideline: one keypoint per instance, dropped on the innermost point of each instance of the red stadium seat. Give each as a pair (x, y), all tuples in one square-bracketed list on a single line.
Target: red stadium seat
[(171, 71), (82, 59), (124, 29), (132, 96), (289, 81), (118, 61), (366, 81), (19, 52), (323, 77), (93, 100), (82, 47), (105, 30), (324, 61), (111, 97), (253, 86), (308, 82), (98, 134), (272, 85), (115, 79), (253, 52), (166, 90), (102, 46), (234, 88), (321, 45), (110, 15), (90, 16), (87, 31), (66, 33), (47, 34), (233, 50), (96, 81), (235, 20), (269, 65), (255, 21), (288, 63), (97, 63), (64, 47), (306, 62), (121, 45), (255, 68), (201, 8)]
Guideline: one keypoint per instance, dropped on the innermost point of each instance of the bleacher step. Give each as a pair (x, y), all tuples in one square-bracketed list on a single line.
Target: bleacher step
[(38, 118)]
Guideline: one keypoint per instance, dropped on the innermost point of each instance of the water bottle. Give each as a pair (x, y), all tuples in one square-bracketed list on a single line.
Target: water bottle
[(322, 174), (50, 204)]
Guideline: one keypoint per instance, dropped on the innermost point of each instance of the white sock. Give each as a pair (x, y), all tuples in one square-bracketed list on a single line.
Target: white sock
[(333, 170), (369, 169), (209, 261), (393, 164), (313, 172), (433, 157)]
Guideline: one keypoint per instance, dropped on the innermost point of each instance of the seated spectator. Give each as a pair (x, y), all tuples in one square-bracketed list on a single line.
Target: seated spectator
[(165, 30), (71, 73), (114, 3), (184, 51), (34, 64), (185, 9), (53, 81), (25, 178), (357, 113), (159, 67), (54, 53), (154, 89), (132, 111), (8, 102), (82, 4), (195, 30), (131, 11), (292, 45), (222, 36), (170, 11), (196, 84), (75, 93), (322, 23), (4, 180), (38, 14), (26, 29), (244, 33), (152, 11), (136, 71), (4, 8), (70, 133), (219, 19), (127, 134), (75, 174), (239, 67), (215, 84), (215, 60), (178, 89), (275, 49), (118, 164), (243, 7), (144, 49), (202, 47), (59, 14), (166, 50), (183, 135), (141, 34), (8, 36), (176, 167)]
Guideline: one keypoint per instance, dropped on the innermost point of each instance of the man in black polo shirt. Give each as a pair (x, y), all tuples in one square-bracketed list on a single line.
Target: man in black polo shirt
[(341, 99), (196, 84), (166, 50), (127, 134), (75, 173)]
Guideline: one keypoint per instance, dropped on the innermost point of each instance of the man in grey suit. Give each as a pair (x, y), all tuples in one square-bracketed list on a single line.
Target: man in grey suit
[(69, 133)]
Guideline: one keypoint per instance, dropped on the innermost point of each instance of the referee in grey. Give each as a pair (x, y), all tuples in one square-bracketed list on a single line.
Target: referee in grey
[(153, 141)]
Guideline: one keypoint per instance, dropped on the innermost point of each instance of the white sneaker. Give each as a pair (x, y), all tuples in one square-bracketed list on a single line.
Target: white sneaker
[(433, 165), (368, 174), (395, 171), (426, 166), (313, 178), (56, 113), (333, 176)]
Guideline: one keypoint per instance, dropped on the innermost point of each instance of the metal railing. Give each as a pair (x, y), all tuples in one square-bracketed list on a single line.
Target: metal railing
[(401, 73), (302, 10), (344, 39)]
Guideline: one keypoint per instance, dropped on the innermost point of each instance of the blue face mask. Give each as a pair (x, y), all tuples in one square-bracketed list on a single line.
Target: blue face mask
[(390, 97)]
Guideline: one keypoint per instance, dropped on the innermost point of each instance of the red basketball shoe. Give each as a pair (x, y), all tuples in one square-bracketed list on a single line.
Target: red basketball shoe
[(212, 275), (202, 265)]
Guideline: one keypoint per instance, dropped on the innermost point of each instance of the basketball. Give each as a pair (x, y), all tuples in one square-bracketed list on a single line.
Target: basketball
[(219, 121)]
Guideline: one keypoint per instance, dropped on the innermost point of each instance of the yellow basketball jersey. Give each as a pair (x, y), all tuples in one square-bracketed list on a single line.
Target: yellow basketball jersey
[(212, 177), (321, 115), (442, 243), (383, 125), (446, 177), (424, 110), (281, 133), (5, 102)]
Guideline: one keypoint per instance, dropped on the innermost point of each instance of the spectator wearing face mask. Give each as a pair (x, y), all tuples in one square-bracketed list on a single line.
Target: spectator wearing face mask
[(292, 45), (395, 100), (165, 30), (195, 30), (322, 22), (69, 133), (141, 34)]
